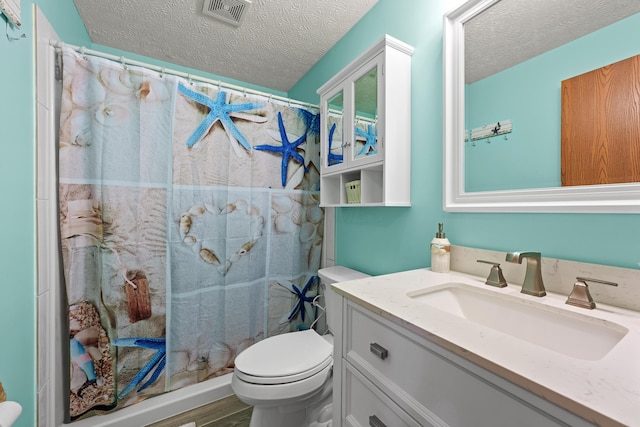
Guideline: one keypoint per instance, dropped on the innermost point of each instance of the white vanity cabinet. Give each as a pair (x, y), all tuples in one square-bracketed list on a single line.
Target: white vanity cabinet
[(366, 128), (386, 375)]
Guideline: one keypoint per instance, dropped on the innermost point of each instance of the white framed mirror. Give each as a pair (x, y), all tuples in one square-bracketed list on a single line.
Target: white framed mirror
[(610, 198)]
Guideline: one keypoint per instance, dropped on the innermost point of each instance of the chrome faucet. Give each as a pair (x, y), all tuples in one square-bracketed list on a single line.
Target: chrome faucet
[(532, 284)]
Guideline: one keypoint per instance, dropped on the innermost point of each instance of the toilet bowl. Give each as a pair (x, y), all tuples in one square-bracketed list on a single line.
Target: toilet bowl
[(287, 378)]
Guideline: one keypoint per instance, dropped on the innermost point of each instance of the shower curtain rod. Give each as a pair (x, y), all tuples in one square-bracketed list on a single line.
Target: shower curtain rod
[(125, 61)]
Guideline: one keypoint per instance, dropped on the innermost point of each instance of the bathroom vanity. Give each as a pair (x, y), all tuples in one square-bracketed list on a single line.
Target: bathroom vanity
[(419, 348)]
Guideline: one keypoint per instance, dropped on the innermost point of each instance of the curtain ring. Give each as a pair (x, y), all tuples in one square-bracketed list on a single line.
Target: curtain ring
[(189, 79), (124, 65), (84, 55), (162, 72), (270, 96)]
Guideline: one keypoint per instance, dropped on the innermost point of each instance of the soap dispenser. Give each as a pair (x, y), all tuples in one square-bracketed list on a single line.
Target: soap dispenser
[(440, 252)]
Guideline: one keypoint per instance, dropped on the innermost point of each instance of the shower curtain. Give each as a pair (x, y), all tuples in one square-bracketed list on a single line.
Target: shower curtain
[(190, 227)]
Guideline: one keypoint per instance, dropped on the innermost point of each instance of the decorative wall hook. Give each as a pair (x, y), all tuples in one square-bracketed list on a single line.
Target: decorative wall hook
[(493, 129), (11, 38)]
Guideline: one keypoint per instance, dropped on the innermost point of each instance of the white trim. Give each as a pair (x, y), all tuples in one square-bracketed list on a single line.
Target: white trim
[(11, 9), (50, 375), (613, 198)]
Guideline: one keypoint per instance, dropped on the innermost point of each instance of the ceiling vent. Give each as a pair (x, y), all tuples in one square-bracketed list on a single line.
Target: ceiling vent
[(230, 11)]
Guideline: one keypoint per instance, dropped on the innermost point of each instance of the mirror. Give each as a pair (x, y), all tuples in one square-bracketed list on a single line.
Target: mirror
[(483, 178), (366, 111), (365, 101), (335, 123)]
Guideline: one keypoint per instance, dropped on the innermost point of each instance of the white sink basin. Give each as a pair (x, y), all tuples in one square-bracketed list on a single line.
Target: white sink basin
[(563, 331)]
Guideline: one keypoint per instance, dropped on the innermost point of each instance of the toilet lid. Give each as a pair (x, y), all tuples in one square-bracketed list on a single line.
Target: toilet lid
[(284, 358)]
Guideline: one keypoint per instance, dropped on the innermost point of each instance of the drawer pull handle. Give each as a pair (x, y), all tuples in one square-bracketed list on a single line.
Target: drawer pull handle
[(375, 421), (378, 350)]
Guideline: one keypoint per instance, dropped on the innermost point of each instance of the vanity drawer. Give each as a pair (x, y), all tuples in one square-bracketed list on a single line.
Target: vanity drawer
[(371, 344), (425, 383), (365, 405)]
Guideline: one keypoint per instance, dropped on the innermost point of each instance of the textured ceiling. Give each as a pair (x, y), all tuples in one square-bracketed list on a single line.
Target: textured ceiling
[(513, 31), (277, 43)]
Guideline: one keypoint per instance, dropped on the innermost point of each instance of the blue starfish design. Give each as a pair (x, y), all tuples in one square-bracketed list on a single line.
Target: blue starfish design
[(288, 150), (311, 121), (332, 158), (218, 110), (370, 140), (302, 298), (159, 359)]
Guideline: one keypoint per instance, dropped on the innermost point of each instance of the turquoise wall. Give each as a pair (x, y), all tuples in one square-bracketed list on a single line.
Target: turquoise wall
[(529, 95), (17, 255), (384, 240), (17, 189), (375, 240)]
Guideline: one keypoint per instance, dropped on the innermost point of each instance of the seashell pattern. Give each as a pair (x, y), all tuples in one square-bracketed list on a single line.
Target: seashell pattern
[(211, 216), (92, 376), (112, 114), (303, 216), (185, 224), (116, 80), (209, 257)]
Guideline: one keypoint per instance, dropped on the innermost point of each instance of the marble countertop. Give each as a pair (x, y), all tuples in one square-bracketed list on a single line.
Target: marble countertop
[(605, 391)]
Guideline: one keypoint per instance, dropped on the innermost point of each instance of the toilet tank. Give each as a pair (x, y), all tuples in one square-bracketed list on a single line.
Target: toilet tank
[(331, 275)]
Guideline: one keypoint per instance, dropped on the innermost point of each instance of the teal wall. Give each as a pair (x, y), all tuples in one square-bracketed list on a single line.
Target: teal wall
[(529, 95), (17, 255), (384, 240), (17, 189), (375, 240)]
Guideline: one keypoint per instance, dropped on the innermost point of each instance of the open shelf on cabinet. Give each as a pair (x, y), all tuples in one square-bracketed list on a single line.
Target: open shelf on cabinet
[(333, 187)]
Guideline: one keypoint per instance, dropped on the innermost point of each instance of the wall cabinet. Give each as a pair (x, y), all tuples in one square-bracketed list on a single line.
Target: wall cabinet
[(366, 128), (385, 375)]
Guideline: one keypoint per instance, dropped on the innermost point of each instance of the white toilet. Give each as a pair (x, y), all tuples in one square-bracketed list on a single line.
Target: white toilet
[(287, 378)]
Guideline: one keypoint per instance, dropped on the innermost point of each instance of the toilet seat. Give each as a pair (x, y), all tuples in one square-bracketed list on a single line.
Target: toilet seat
[(284, 379), (284, 358)]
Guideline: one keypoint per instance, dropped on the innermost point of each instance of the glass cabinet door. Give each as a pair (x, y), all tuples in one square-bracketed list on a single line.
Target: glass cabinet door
[(365, 124), (335, 130)]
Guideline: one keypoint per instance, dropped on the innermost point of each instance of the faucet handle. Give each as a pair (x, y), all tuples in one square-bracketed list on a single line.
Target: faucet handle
[(580, 295), (495, 275)]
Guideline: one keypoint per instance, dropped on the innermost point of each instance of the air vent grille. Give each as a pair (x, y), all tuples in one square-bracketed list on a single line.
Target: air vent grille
[(230, 11)]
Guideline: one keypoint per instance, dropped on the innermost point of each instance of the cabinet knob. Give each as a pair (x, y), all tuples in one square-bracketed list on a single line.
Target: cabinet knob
[(378, 350), (375, 421)]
